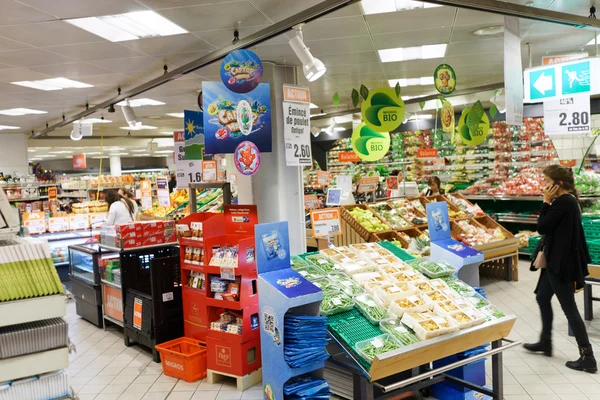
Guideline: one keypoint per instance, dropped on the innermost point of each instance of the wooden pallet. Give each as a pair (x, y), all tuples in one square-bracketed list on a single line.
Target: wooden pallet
[(243, 382)]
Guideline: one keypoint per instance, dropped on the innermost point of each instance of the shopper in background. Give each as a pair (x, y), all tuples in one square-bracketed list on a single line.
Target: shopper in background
[(129, 195), (563, 257), (172, 183), (120, 209), (433, 189)]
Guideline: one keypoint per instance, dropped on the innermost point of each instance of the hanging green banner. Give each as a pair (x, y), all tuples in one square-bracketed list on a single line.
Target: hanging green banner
[(383, 111), (473, 125), (370, 145)]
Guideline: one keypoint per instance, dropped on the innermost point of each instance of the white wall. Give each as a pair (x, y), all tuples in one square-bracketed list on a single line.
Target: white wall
[(13, 153)]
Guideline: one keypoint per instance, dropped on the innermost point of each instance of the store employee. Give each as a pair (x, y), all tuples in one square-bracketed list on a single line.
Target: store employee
[(433, 189)]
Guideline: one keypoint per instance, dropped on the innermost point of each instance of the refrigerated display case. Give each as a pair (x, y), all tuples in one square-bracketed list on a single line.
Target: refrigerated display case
[(84, 270)]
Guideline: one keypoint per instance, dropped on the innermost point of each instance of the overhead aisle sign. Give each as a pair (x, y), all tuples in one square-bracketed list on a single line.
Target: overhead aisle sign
[(549, 82)]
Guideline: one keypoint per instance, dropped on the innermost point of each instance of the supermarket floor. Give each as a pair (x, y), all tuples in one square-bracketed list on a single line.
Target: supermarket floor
[(104, 368)]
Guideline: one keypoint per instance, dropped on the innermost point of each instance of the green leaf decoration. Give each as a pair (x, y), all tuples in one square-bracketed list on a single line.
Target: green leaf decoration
[(398, 89), (496, 92), (355, 98), (336, 99), (493, 111), (473, 118), (422, 105), (464, 110), (364, 92), (465, 133)]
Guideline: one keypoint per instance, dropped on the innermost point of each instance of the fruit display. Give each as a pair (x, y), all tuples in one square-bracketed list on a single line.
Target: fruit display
[(417, 246), (524, 236), (392, 294), (407, 210), (368, 220), (390, 215), (588, 184), (475, 235), (209, 200)]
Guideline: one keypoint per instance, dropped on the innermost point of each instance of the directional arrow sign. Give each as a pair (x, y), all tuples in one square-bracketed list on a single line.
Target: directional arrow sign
[(569, 78)]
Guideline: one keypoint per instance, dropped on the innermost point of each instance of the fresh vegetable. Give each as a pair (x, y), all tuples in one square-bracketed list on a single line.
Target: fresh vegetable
[(347, 285), (321, 262), (297, 262), (368, 220), (367, 306), (379, 345), (325, 285), (335, 302), (399, 331)]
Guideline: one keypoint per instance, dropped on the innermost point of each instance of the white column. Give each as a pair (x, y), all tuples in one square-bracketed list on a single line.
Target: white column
[(277, 189), (115, 165), (13, 154)]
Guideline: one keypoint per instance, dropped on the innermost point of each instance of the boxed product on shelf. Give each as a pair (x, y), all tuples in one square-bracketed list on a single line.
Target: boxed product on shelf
[(138, 234)]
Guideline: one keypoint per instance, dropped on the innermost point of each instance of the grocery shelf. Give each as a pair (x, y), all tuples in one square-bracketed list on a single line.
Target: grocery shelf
[(117, 249), (113, 320), (25, 199), (111, 284), (33, 309), (34, 364)]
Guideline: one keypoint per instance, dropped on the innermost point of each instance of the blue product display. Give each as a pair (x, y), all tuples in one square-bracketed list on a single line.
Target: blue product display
[(306, 387), (305, 339)]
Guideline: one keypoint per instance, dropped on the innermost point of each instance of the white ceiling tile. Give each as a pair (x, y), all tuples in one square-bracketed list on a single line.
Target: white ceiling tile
[(111, 79), (129, 65), (333, 71), (84, 8), (181, 59), (281, 9), (577, 7), (348, 11), (357, 79), (48, 34), (277, 52), (349, 58), (475, 47), (412, 68), (161, 4), (71, 71), (471, 17), (406, 21), (32, 57), (168, 45), (464, 33), (15, 13), (21, 74), (339, 46), (335, 28), (417, 38), (203, 18), (223, 37), (95, 51), (9, 44)]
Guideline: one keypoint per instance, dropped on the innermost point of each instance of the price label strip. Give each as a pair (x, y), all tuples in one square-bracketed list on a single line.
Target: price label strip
[(326, 222)]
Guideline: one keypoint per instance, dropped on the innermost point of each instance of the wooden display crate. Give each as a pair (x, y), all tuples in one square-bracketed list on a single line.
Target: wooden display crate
[(361, 230), (385, 204)]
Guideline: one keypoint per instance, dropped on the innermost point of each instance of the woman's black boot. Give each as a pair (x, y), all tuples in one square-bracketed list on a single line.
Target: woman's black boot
[(586, 361), (543, 346)]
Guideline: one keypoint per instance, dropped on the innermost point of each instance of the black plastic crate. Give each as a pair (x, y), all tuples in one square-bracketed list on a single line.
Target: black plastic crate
[(135, 266)]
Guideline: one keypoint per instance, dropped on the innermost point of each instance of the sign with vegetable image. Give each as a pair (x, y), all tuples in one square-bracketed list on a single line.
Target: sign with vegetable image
[(370, 145), (474, 125), (448, 121), (383, 110), (444, 79)]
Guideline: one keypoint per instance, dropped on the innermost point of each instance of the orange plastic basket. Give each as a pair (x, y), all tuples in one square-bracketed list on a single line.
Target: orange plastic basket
[(183, 358)]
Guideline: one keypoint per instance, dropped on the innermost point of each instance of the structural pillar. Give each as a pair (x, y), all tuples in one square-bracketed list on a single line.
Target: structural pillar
[(13, 154), (276, 189), (115, 165)]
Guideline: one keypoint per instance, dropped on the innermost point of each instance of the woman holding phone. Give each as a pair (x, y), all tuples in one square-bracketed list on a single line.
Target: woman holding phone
[(562, 257)]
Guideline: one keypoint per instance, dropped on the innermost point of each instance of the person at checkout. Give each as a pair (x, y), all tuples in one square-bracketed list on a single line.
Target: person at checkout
[(434, 187)]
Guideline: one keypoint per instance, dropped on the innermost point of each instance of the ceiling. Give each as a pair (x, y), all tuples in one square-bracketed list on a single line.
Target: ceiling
[(36, 44)]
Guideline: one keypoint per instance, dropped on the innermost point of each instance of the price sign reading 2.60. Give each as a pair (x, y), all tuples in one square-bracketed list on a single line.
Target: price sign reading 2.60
[(574, 119), (302, 151)]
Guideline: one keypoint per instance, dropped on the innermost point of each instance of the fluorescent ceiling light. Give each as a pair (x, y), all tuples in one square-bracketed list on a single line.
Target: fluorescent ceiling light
[(165, 133), (137, 127), (118, 154), (128, 26), (61, 152), (3, 127), (339, 129), (489, 30), (386, 6), (176, 115), (53, 84), (31, 150), (49, 155), (413, 53), (93, 153), (94, 121), (21, 111), (140, 102), (318, 115), (313, 105), (138, 151), (425, 80), (420, 116)]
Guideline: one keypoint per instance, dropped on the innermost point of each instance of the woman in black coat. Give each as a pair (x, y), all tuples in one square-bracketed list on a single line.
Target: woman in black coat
[(563, 263)]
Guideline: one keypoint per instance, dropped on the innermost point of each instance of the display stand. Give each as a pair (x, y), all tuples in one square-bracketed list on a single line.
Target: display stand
[(151, 290), (282, 290)]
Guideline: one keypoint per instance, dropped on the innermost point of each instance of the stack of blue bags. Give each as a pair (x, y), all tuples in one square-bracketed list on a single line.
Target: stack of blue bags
[(306, 387), (305, 339)]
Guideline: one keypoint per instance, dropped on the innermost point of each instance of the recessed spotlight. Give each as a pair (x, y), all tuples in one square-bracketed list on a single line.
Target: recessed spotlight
[(166, 133), (53, 84), (137, 127), (21, 111), (140, 102), (413, 53), (61, 152), (128, 26), (490, 30), (93, 153), (3, 127), (425, 80), (176, 115)]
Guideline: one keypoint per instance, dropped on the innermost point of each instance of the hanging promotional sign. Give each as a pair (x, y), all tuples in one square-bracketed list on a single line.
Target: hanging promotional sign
[(296, 127), (513, 72), (162, 191), (567, 115), (241, 71), (247, 158), (448, 121), (187, 171), (146, 193), (79, 161), (558, 59), (209, 171), (370, 145), (326, 222), (427, 153), (223, 132), (474, 137), (383, 111), (574, 77), (444, 79), (348, 156), (194, 134)]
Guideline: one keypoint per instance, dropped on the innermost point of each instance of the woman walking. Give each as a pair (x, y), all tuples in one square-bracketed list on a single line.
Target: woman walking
[(563, 257)]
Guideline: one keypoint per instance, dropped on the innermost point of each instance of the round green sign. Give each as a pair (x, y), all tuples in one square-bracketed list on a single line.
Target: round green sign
[(370, 145), (473, 138), (383, 111), (444, 79)]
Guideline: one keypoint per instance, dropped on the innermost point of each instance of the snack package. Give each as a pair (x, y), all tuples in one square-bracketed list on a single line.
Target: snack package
[(196, 228), (272, 245)]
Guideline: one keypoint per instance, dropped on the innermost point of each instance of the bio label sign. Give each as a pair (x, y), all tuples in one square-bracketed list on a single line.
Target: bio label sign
[(383, 111), (326, 222), (296, 134), (368, 144), (567, 115), (473, 137), (558, 80)]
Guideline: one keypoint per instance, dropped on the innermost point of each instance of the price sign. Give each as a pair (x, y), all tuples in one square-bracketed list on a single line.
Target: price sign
[(334, 197), (209, 171), (368, 184), (146, 188), (567, 115), (58, 224), (97, 219), (162, 191), (79, 221), (35, 226), (227, 273), (311, 201), (326, 222), (185, 169), (392, 182), (52, 193), (296, 127), (323, 178)]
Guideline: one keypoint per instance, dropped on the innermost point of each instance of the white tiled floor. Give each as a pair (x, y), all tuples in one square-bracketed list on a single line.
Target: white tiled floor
[(104, 369)]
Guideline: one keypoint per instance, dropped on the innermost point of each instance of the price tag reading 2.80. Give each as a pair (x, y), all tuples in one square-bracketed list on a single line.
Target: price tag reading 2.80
[(326, 222), (567, 115)]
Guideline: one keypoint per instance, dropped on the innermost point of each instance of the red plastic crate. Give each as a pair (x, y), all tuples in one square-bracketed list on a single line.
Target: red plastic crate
[(237, 359), (184, 358)]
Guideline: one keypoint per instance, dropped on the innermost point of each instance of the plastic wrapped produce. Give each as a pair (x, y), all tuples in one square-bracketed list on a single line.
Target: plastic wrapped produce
[(399, 331)]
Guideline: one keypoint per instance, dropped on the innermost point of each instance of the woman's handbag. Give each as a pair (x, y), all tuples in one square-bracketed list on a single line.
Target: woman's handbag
[(540, 260)]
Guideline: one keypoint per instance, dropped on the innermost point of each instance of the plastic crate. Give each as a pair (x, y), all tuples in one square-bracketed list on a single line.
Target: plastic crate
[(532, 245), (594, 248), (397, 251), (591, 228), (183, 358)]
